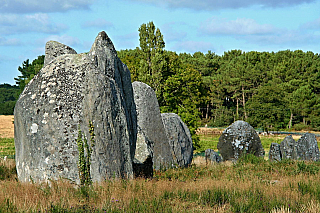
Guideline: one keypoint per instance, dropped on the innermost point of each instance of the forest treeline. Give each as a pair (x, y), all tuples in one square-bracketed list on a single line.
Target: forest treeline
[(270, 90)]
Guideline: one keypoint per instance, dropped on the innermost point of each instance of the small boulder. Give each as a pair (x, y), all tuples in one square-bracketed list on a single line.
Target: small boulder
[(150, 122), (240, 137), (212, 156), (288, 148), (274, 152), (307, 147), (179, 139)]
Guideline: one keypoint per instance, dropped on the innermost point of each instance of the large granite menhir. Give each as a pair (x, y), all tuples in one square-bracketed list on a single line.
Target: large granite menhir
[(68, 92), (179, 139), (150, 122), (240, 137)]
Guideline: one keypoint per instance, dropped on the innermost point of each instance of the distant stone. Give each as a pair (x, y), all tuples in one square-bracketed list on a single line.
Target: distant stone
[(274, 152), (212, 156), (239, 138), (142, 163), (55, 49), (307, 147), (288, 148), (150, 122), (67, 93), (179, 139)]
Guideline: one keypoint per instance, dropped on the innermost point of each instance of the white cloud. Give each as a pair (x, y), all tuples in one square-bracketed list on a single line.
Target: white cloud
[(98, 23), (293, 38), (312, 25), (9, 42), (64, 39), (240, 26), (39, 22), (36, 6), (222, 4), (171, 34), (193, 46)]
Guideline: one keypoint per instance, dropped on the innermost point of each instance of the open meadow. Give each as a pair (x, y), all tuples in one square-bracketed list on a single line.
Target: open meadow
[(251, 185)]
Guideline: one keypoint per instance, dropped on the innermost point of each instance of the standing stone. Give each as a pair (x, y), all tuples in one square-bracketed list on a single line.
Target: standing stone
[(212, 156), (288, 148), (67, 93), (240, 137), (179, 139), (142, 163), (274, 152), (307, 147), (55, 49), (150, 122)]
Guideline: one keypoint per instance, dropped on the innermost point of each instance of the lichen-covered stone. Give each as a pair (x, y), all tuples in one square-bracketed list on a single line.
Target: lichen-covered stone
[(307, 147), (212, 156), (288, 148), (67, 93), (274, 152), (55, 49), (179, 139), (240, 137), (150, 122)]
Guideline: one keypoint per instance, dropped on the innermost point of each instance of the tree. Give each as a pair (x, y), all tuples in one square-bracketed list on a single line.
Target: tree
[(28, 71), (154, 63), (8, 98), (182, 95)]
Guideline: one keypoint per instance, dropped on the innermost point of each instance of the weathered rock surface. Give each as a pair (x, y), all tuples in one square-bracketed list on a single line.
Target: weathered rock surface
[(67, 93), (212, 156), (142, 163), (150, 122), (240, 137), (274, 152), (307, 147), (179, 139), (288, 148), (55, 49)]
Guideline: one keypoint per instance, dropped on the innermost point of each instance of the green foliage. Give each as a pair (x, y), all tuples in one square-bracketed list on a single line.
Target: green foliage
[(307, 168), (85, 152), (8, 97), (28, 71), (250, 158)]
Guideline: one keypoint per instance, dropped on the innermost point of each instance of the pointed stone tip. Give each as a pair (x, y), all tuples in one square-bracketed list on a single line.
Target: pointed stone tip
[(102, 40), (103, 35)]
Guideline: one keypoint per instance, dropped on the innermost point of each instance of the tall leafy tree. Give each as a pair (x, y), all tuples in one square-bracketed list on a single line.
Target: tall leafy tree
[(28, 71)]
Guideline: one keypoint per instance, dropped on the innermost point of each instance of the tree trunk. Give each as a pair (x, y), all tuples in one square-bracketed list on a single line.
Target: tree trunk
[(237, 112), (207, 114), (290, 122), (244, 105)]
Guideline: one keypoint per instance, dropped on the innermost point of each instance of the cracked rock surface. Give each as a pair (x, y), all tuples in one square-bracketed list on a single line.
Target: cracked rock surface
[(68, 92)]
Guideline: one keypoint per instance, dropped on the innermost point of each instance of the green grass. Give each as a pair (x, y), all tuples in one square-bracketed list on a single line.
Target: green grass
[(7, 147), (211, 142)]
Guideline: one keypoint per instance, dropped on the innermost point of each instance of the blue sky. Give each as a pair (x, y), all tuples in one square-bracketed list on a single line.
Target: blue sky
[(187, 26)]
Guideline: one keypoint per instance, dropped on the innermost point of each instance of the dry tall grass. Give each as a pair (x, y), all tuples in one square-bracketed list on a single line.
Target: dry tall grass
[(6, 126), (222, 187)]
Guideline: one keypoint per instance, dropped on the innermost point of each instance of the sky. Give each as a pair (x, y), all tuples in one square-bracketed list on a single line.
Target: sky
[(187, 26)]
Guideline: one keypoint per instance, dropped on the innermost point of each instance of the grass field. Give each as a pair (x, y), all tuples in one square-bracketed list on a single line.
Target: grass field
[(211, 141), (7, 147), (251, 185)]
